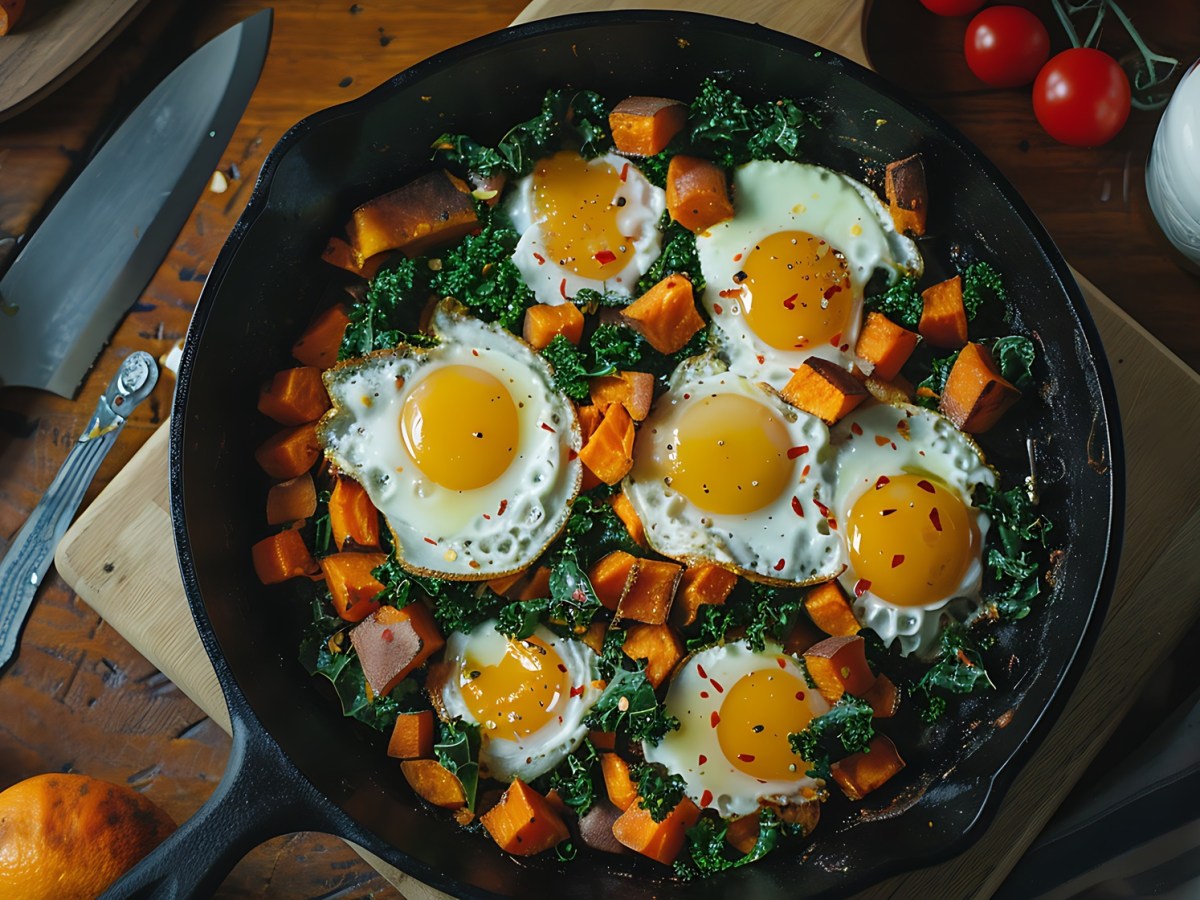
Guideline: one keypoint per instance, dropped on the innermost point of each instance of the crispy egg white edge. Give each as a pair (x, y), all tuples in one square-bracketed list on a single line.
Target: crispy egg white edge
[(915, 628), (557, 448)]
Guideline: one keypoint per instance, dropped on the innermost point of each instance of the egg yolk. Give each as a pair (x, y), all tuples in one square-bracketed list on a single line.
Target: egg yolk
[(460, 426), (729, 454), (911, 539), (796, 291), (576, 202), (519, 694), (758, 714)]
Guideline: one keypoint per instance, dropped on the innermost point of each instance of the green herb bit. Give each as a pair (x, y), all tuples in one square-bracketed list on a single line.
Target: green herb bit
[(377, 321), (980, 284), (659, 791), (766, 613), (959, 670), (575, 778), (597, 530), (480, 274), (1018, 533), (1014, 355), (847, 728), (901, 302), (708, 851), (678, 257), (458, 751)]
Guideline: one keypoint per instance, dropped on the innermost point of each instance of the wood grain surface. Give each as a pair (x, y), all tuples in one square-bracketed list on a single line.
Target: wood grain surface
[(79, 697)]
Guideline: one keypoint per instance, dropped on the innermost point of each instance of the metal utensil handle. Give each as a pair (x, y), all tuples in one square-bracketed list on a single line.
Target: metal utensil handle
[(32, 550)]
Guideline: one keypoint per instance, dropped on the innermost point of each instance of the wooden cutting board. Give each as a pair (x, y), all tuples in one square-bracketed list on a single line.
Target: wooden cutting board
[(120, 555)]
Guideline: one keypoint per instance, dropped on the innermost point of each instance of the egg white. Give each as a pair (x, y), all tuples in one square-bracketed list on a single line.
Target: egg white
[(536, 754), (911, 440), (692, 698), (492, 530), (641, 207), (771, 197)]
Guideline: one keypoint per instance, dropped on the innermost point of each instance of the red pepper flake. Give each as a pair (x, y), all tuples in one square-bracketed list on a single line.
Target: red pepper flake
[(965, 660), (835, 340), (717, 309), (624, 171), (703, 759), (562, 668), (897, 559), (856, 428), (687, 396), (604, 257), (571, 454), (706, 797), (881, 481), (486, 516), (926, 486), (577, 691), (578, 595), (503, 507), (797, 507), (541, 260), (737, 257), (832, 524), (822, 507), (793, 452), (761, 359), (562, 288), (790, 302), (779, 565), (880, 440), (546, 427), (831, 290), (782, 662), (704, 695), (717, 685), (861, 587), (700, 669), (431, 541), (799, 695), (804, 472), (886, 512), (800, 346), (387, 635), (844, 347), (715, 719), (935, 519), (746, 757)]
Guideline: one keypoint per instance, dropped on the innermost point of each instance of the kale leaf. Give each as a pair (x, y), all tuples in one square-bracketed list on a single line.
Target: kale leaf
[(615, 347), (764, 612), (708, 852), (981, 283), (1014, 356), (901, 302), (930, 388), (847, 728), (628, 706), (480, 274), (659, 791), (1019, 533), (571, 606), (959, 670), (575, 778), (723, 126), (570, 364), (597, 530), (377, 321), (458, 750), (678, 256)]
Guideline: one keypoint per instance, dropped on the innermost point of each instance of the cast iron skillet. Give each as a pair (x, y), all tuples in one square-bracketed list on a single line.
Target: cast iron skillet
[(298, 765)]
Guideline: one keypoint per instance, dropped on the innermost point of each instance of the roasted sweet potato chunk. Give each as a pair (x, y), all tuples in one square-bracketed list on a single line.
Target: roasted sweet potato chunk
[(659, 645), (608, 453), (839, 666), (886, 345), (634, 390), (829, 608), (434, 783), (666, 314), (434, 209), (697, 193), (318, 345), (543, 322), (824, 389), (700, 585), (351, 584), (617, 781), (943, 316), (661, 841), (643, 126), (412, 736), (281, 557), (860, 773), (976, 395), (649, 597), (611, 577), (629, 517), (908, 197), (392, 642), (523, 822), (289, 452)]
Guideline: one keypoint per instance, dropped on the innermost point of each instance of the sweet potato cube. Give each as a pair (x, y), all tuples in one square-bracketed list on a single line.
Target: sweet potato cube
[(860, 773), (593, 637), (505, 585), (838, 665), (294, 396), (351, 584), (802, 635), (609, 451), (434, 783), (603, 740), (660, 841), (617, 781), (976, 395), (824, 389), (634, 390), (629, 517), (537, 585), (704, 584), (697, 193), (392, 642), (412, 736), (290, 452), (339, 253), (353, 518), (659, 645), (666, 314), (943, 316), (292, 500), (883, 696), (908, 197), (281, 557), (543, 322), (830, 610), (589, 420), (596, 827), (612, 576), (523, 823), (649, 597), (318, 345), (886, 345), (643, 126), (435, 208), (742, 833)]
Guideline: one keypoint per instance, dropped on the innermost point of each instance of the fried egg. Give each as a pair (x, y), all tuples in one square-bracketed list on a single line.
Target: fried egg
[(736, 709), (725, 471), (528, 697), (905, 477), (785, 276), (466, 448), (584, 224)]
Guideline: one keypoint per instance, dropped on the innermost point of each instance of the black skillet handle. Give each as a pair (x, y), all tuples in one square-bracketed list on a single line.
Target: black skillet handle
[(260, 796)]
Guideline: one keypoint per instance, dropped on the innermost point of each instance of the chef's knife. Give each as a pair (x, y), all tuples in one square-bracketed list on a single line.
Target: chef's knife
[(29, 557), (93, 255)]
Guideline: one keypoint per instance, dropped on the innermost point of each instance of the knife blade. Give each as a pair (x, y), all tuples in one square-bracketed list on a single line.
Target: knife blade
[(93, 255), (29, 556)]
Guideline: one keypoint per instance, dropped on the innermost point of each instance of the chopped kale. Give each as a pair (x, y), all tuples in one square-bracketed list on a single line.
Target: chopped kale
[(1018, 533), (571, 606), (765, 612), (1014, 355), (615, 347), (847, 728), (575, 778), (590, 300), (678, 257), (981, 283), (930, 389), (629, 707), (458, 750), (597, 530), (959, 670), (725, 127), (709, 853), (901, 302), (570, 364), (397, 583), (659, 791), (480, 274), (655, 167), (612, 652), (322, 528), (458, 605), (378, 321), (782, 125)]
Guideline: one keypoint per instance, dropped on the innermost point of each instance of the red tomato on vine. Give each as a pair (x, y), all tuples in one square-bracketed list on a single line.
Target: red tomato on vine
[(1082, 97), (1006, 46)]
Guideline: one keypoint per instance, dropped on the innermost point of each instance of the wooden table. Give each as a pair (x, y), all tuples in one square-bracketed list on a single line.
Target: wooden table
[(79, 697)]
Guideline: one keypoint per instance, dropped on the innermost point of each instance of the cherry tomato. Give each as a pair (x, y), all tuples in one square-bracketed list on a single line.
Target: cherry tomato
[(1006, 46), (1081, 97), (952, 7)]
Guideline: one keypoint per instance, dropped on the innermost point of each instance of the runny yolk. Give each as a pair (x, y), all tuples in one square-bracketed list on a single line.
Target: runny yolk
[(460, 426), (758, 714), (575, 200), (729, 454), (912, 538), (512, 699), (796, 291)]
